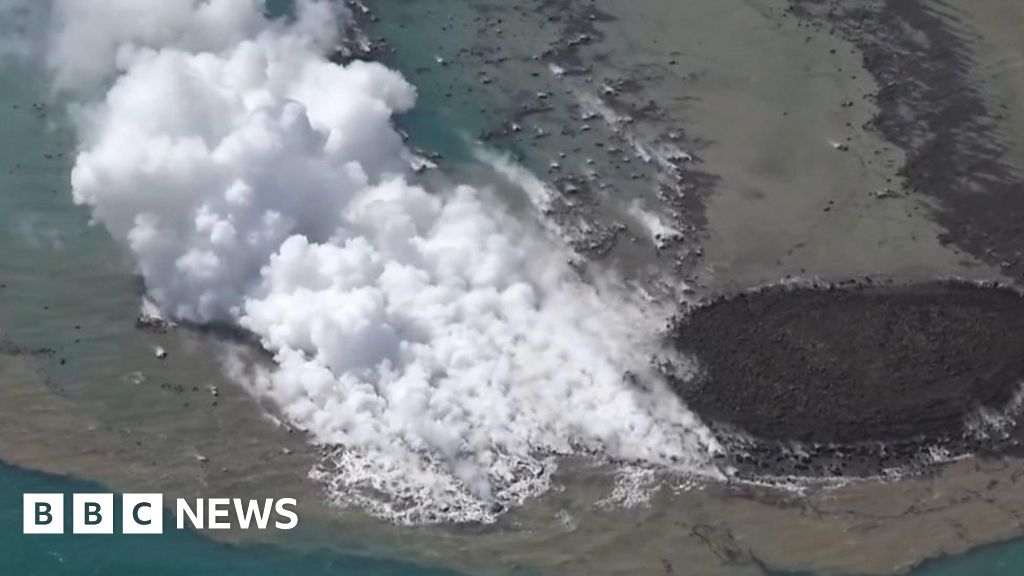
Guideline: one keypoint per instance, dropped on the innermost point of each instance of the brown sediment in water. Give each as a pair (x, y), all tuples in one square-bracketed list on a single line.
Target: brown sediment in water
[(931, 105)]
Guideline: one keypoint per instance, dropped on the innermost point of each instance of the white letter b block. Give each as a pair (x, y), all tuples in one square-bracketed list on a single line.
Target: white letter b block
[(43, 514), (93, 514)]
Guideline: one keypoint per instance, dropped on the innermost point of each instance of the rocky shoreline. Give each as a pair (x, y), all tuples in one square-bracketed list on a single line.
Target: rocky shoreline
[(623, 183)]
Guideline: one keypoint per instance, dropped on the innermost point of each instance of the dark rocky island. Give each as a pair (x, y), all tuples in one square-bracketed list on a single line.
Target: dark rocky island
[(858, 378)]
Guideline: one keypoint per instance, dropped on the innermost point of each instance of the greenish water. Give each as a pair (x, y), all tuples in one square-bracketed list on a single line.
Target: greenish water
[(172, 553), (997, 560)]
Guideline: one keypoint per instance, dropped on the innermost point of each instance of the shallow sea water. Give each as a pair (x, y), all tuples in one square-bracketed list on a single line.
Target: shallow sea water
[(176, 553), (173, 553)]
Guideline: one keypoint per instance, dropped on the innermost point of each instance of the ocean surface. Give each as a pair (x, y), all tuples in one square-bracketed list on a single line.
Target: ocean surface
[(52, 256), (184, 552), (174, 552)]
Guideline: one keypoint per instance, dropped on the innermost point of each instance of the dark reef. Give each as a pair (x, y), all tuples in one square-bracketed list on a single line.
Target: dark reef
[(931, 107), (862, 376)]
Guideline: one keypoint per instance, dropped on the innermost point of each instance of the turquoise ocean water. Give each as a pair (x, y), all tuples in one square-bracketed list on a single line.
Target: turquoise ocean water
[(171, 554)]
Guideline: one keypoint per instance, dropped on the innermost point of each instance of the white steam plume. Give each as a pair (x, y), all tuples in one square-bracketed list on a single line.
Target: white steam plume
[(446, 350)]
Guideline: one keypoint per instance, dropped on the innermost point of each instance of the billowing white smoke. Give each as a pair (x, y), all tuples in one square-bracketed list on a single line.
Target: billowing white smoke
[(446, 350)]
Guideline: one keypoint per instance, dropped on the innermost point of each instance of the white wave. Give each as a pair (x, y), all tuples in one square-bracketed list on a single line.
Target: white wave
[(441, 351), (537, 192), (634, 488), (661, 233)]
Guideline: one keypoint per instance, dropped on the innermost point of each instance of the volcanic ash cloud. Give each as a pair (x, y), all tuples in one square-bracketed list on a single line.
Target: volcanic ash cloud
[(444, 350)]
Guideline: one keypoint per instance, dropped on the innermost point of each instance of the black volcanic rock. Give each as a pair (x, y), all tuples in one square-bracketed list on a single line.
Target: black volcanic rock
[(855, 364)]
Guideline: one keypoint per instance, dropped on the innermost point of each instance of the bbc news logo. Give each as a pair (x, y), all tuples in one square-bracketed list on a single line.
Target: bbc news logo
[(144, 514)]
